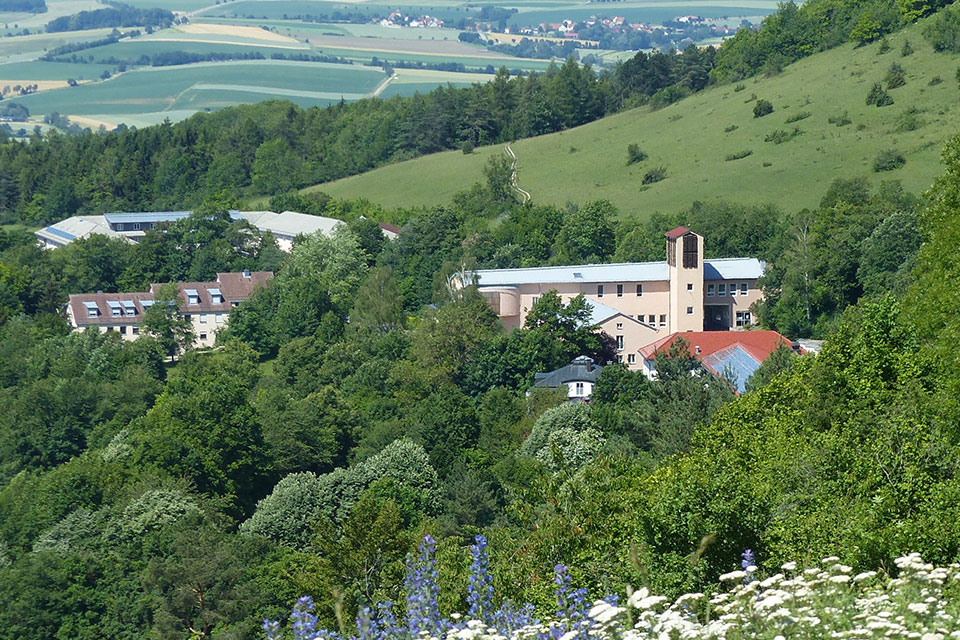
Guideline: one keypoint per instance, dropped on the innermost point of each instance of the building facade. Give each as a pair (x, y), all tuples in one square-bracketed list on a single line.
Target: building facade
[(639, 303), (206, 304)]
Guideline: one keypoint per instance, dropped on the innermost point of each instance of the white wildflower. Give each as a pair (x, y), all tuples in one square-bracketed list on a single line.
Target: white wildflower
[(919, 607), (866, 575), (733, 576), (840, 579), (789, 566)]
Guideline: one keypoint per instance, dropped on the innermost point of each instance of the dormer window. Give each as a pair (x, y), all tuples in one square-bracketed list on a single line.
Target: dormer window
[(115, 309), (92, 310), (129, 308), (192, 296), (215, 296)]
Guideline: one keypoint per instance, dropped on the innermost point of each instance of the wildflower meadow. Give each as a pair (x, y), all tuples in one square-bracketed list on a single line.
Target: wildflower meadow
[(917, 600)]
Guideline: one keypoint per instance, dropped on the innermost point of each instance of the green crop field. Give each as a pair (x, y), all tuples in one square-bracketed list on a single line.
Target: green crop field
[(39, 70), (693, 139), (23, 48), (207, 86), (36, 21), (133, 49)]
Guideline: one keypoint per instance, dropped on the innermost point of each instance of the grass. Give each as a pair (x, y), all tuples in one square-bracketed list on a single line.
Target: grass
[(693, 148), (207, 86), (39, 70)]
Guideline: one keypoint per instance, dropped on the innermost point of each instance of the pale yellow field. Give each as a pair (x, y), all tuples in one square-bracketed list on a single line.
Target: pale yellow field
[(207, 28), (298, 45), (93, 123), (42, 85)]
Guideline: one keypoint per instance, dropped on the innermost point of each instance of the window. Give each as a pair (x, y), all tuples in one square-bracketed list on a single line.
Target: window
[(92, 310), (733, 288), (533, 300), (672, 253), (123, 330), (743, 318), (639, 290), (135, 330), (619, 343), (721, 289), (651, 319), (192, 296), (690, 252), (599, 290), (215, 296), (187, 316), (219, 318), (203, 337), (689, 311), (619, 326), (689, 286), (619, 359), (579, 388), (136, 226), (744, 287), (619, 290), (631, 358), (711, 290), (203, 318), (663, 320), (234, 303)]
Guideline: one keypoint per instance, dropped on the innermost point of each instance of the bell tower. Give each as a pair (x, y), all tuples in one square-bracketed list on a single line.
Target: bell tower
[(685, 271)]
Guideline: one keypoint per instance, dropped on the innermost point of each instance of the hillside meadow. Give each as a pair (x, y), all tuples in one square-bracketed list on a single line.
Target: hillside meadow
[(712, 146)]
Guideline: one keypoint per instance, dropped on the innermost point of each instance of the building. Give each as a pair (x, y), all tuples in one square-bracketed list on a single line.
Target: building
[(206, 304), (735, 355), (133, 226), (639, 303), (577, 378)]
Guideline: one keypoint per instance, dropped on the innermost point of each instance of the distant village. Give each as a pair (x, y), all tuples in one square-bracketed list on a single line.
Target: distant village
[(595, 27)]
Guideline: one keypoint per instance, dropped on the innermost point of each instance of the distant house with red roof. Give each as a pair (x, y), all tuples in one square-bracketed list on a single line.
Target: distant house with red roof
[(735, 354)]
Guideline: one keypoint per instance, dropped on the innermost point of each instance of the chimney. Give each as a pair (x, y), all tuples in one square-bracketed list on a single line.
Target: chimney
[(697, 349)]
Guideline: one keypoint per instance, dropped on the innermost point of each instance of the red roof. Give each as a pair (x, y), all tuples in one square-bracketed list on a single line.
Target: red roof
[(673, 234), (759, 344), (392, 228)]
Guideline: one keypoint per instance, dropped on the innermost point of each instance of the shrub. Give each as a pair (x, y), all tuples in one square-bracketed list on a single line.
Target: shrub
[(909, 120), (738, 155), (841, 120), (730, 128), (907, 49), (958, 75), (888, 160), (655, 175), (780, 136), (762, 108), (878, 96), (797, 117), (884, 47), (740, 87), (635, 154), (467, 147), (935, 80), (943, 30), (895, 76)]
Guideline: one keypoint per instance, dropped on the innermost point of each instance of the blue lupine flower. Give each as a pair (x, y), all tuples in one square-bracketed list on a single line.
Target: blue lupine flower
[(302, 620), (480, 585), (747, 562)]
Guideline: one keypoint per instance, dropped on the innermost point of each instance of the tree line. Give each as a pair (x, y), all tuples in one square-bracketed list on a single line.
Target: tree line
[(117, 15)]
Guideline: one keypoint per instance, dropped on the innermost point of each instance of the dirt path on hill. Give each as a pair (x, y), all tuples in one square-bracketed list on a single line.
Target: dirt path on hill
[(524, 195)]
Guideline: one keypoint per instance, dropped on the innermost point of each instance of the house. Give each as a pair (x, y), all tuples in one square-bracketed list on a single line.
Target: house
[(651, 299), (735, 355), (206, 304), (284, 226), (578, 378)]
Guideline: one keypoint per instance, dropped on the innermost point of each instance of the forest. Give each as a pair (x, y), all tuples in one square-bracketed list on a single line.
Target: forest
[(359, 403), (116, 15)]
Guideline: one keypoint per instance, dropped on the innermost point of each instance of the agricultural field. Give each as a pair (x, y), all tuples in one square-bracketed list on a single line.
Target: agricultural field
[(787, 157), (152, 94), (16, 21)]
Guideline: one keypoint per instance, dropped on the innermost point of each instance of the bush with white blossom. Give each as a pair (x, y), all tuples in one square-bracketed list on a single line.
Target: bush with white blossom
[(822, 601)]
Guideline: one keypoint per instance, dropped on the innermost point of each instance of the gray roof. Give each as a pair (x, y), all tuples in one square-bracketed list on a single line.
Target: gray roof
[(292, 224), (148, 216), (581, 369), (724, 268)]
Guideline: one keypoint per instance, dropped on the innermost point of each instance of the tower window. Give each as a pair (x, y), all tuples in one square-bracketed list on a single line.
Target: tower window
[(639, 290), (599, 290), (690, 252), (619, 290)]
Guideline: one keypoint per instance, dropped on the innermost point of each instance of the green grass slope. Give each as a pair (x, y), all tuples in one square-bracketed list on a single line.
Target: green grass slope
[(693, 138)]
